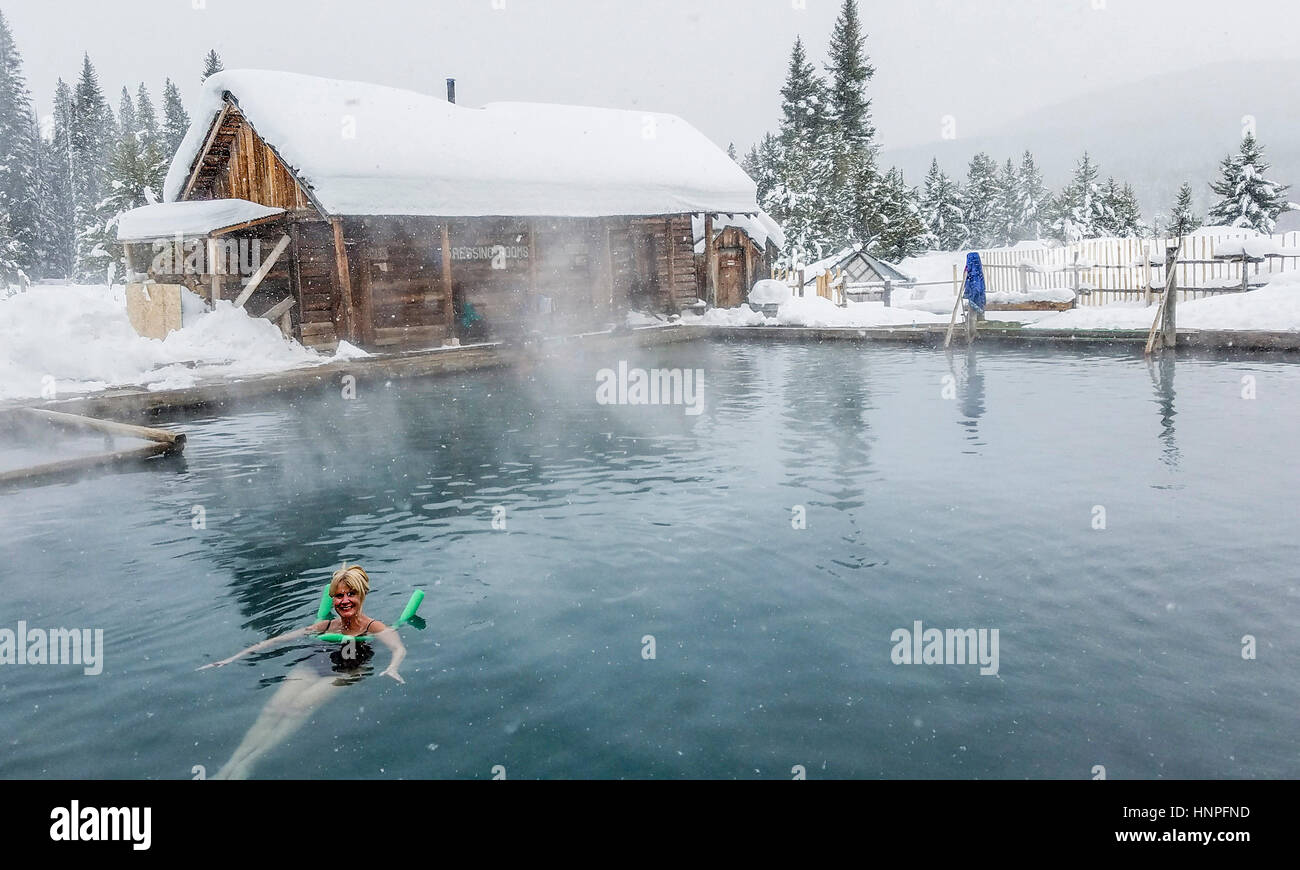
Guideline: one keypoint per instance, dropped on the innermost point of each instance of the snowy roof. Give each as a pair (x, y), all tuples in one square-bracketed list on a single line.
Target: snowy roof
[(761, 228), (839, 258), (188, 218), (369, 149)]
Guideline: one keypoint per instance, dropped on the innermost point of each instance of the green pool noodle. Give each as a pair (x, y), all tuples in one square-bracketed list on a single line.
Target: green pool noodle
[(411, 606), (417, 597), (326, 604)]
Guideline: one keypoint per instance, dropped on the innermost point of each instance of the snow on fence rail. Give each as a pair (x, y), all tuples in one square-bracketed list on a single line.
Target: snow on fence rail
[(1117, 270)]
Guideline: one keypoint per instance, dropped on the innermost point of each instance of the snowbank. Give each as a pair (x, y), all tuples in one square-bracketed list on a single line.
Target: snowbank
[(371, 150), (80, 336), (770, 292), (1274, 308)]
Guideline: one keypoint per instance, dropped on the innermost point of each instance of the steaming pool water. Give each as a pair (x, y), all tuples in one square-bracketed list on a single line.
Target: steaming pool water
[(958, 491)]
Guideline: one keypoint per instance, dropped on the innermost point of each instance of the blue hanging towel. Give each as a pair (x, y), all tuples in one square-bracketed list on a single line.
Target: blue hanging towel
[(974, 286)]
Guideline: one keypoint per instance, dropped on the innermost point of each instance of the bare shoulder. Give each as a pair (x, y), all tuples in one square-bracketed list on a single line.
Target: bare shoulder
[(319, 627), (376, 627)]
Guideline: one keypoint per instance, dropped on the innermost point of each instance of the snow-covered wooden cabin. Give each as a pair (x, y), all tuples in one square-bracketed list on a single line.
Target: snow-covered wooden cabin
[(744, 250), (405, 220)]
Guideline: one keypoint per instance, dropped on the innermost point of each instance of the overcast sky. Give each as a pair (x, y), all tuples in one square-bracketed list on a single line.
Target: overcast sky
[(717, 63)]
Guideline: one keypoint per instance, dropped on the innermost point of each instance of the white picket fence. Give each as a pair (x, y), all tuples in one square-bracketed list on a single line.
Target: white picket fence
[(1115, 270)]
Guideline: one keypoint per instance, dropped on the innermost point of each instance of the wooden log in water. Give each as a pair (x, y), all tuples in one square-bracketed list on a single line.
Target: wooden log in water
[(173, 442), (67, 467)]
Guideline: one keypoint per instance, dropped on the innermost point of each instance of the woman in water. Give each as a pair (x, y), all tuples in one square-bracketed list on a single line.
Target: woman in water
[(313, 682)]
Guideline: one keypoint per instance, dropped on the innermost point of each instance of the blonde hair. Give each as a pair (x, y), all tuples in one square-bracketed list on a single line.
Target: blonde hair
[(354, 577)]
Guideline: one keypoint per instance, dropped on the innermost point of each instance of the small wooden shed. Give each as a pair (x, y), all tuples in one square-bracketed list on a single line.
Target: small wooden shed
[(744, 248)]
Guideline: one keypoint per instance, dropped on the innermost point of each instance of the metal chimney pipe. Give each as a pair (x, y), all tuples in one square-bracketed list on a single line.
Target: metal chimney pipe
[(451, 90)]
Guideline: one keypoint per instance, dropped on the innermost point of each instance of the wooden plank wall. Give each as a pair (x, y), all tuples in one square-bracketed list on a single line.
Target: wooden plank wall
[(320, 308), (241, 165), (398, 271)]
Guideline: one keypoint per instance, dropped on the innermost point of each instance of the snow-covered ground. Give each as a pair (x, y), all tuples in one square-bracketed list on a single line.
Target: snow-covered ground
[(81, 338)]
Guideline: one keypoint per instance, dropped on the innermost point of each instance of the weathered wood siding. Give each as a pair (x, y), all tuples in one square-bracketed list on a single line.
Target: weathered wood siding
[(240, 165), (319, 309)]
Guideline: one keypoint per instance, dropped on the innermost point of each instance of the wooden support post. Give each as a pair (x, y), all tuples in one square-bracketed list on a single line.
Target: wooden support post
[(213, 271), (295, 276), (345, 280), (671, 253), (711, 264), (262, 272), (1169, 337), (533, 301), (1146, 273), (886, 295), (279, 309), (445, 250), (130, 265)]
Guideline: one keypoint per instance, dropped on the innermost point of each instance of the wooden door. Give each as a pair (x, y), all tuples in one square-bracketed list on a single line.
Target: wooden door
[(731, 277)]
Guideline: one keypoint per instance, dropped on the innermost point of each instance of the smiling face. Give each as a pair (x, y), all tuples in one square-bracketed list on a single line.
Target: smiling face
[(347, 601), (348, 591)]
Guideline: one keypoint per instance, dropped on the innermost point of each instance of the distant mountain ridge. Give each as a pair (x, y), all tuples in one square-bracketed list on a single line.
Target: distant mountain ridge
[(1154, 134)]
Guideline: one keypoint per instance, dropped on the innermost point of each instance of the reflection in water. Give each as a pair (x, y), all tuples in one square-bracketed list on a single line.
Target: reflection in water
[(1162, 378), (970, 395)]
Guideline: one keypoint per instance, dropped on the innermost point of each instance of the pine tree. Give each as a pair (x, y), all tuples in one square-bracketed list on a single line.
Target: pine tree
[(1009, 217), (903, 232), (212, 64), (18, 160), (176, 121), (1246, 197), (943, 210), (1035, 205), (763, 164), (1078, 210), (854, 201), (130, 173), (731, 152), (983, 202), (93, 132), (1184, 220), (797, 197), (12, 273), (58, 221), (1121, 214), (152, 159)]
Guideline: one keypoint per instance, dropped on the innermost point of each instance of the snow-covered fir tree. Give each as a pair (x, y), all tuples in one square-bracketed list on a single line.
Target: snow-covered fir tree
[(57, 237), (983, 202), (133, 169), (943, 210), (1035, 202), (152, 158), (855, 186), (54, 237), (1078, 211), (176, 121), (212, 64), (1009, 217), (903, 232), (731, 152), (1121, 215), (1247, 198), (1184, 219), (12, 274), (798, 196), (93, 132), (18, 160)]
